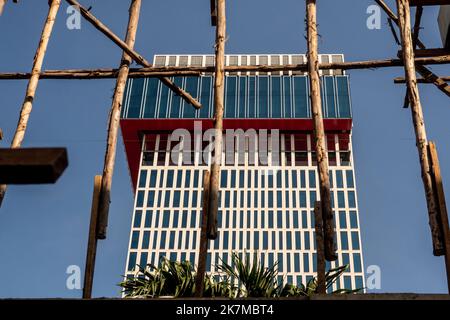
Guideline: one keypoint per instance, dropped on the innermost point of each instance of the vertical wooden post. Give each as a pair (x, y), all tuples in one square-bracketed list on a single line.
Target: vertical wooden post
[(404, 19), (92, 241), (203, 252), (443, 215), (319, 248), (114, 120), (319, 131), (2, 5), (219, 91), (27, 105), (415, 38)]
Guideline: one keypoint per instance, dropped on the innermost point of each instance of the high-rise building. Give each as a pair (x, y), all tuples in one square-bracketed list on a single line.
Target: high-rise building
[(267, 192)]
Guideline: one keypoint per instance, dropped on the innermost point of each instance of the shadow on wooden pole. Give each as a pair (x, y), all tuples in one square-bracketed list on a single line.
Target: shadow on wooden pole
[(404, 23), (320, 248), (442, 206), (92, 241), (203, 252)]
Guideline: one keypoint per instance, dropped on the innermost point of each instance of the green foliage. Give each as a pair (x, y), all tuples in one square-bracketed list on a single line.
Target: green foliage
[(177, 279), (312, 286), (172, 278), (255, 279)]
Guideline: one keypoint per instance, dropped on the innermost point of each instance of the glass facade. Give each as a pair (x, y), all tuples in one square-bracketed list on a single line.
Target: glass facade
[(265, 96), (266, 206)]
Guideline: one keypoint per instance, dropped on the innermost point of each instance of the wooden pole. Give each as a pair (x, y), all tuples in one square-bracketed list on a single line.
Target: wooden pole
[(27, 105), (203, 252), (418, 121), (131, 52), (422, 70), (415, 38), (114, 120), (319, 131), (443, 215), (321, 289), (219, 93), (81, 74), (85, 74), (2, 5), (92, 241)]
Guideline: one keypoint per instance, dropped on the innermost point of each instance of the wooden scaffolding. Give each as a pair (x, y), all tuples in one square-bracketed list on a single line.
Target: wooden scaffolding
[(413, 57)]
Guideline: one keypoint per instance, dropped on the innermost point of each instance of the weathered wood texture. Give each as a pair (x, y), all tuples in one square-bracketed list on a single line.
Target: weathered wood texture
[(219, 95), (415, 39), (131, 52), (418, 121), (319, 131), (27, 105), (440, 198), (92, 241), (114, 121), (32, 165), (203, 250), (319, 248), (196, 71)]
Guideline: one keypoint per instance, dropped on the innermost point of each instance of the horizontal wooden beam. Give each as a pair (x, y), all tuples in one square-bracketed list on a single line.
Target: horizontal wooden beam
[(80, 74), (415, 3), (401, 80), (32, 165), (431, 52), (186, 71), (434, 79)]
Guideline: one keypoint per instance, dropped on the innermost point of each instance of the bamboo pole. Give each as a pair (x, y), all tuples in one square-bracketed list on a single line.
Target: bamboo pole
[(131, 52), (80, 74), (114, 120), (418, 121), (219, 93), (319, 131), (92, 241), (27, 105), (203, 252), (319, 248)]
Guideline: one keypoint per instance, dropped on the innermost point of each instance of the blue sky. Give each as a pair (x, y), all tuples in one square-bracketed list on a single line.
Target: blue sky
[(43, 229)]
